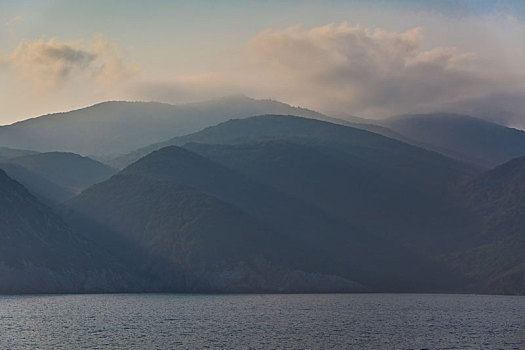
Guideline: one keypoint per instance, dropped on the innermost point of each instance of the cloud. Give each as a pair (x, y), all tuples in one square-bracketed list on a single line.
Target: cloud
[(446, 57), (335, 68), (196, 87), (342, 69), (50, 65), (503, 107), (112, 67)]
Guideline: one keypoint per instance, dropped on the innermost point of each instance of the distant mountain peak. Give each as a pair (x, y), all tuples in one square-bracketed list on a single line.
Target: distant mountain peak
[(113, 128), (461, 136)]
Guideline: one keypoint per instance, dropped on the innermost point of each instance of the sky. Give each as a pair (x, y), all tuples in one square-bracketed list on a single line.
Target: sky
[(370, 59)]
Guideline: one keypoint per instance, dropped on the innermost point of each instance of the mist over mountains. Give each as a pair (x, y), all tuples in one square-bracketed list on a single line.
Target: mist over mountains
[(244, 195), (110, 129), (41, 254), (462, 137), (56, 176)]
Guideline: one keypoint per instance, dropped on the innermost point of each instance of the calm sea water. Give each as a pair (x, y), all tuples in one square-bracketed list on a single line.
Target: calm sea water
[(326, 321)]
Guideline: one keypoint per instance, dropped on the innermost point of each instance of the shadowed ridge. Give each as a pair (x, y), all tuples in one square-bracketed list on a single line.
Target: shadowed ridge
[(56, 176), (40, 254), (461, 136), (108, 129), (305, 237), (497, 197)]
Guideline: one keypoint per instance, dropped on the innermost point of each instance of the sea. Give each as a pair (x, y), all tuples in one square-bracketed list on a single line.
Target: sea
[(262, 321)]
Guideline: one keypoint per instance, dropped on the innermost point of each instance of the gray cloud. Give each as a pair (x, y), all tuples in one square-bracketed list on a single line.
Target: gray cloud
[(48, 65), (341, 69), (504, 107), (337, 69), (366, 72)]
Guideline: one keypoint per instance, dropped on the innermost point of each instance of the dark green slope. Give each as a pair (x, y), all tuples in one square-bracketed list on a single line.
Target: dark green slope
[(56, 176), (305, 238), (497, 197), (40, 254), (462, 137)]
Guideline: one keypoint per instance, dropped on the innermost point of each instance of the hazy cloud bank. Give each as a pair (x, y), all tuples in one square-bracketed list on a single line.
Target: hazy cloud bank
[(47, 65), (338, 69), (363, 71), (342, 69)]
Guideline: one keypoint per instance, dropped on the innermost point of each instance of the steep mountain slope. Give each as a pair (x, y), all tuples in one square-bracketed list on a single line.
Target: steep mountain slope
[(40, 254), (497, 197), (210, 244), (125, 160), (350, 173), (358, 142), (112, 128), (57, 176), (368, 195), (45, 190), (198, 234), (412, 162), (304, 238), (462, 137)]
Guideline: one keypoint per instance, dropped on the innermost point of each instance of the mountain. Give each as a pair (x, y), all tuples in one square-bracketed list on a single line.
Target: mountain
[(278, 203), (160, 199), (110, 129), (8, 153), (364, 145), (126, 159), (462, 137), (497, 197), (56, 176), (352, 174), (213, 245), (45, 190), (41, 254)]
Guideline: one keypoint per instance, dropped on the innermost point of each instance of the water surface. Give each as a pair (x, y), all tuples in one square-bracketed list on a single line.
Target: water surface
[(322, 321)]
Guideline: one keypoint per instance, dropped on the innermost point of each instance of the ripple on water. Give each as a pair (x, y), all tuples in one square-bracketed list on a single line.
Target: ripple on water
[(327, 321)]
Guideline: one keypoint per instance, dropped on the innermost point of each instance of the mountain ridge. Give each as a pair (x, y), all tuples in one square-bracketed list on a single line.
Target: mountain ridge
[(462, 136), (107, 129)]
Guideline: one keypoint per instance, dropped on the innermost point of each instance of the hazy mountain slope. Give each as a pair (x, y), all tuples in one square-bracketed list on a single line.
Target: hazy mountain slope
[(112, 128), (127, 159), (363, 193), (214, 246), (352, 173), (40, 254), (407, 160), (497, 197), (69, 171), (8, 153), (348, 172), (306, 238), (462, 137), (44, 189)]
